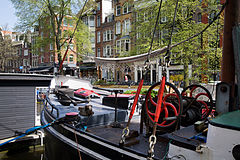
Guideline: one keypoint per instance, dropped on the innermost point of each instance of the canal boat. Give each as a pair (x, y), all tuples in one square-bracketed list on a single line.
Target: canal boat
[(186, 127)]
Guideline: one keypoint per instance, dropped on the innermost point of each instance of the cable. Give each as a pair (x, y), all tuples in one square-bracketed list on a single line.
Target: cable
[(170, 38), (197, 34), (71, 37), (78, 149), (155, 27)]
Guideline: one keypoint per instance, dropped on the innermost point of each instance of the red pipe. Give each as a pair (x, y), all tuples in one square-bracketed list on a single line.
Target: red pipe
[(160, 98), (136, 99), (60, 67)]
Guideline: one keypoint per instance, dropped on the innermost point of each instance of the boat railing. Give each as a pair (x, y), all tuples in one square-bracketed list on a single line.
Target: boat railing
[(52, 106), (110, 90)]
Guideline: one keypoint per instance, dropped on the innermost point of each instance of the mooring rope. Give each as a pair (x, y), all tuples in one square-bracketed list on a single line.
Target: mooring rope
[(78, 149)]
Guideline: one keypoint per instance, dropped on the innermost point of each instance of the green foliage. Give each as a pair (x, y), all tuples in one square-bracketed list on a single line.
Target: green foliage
[(49, 16), (142, 92), (100, 82), (195, 51), (83, 43), (7, 52)]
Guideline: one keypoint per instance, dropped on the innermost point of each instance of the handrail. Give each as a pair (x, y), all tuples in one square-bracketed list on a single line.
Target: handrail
[(110, 90), (52, 105)]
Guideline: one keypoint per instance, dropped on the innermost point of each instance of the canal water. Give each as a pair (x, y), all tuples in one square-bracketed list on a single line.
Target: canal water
[(34, 153)]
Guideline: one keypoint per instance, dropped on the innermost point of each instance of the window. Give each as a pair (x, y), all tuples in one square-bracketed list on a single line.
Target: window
[(25, 63), (107, 35), (85, 20), (98, 6), (138, 33), (118, 11), (92, 39), (98, 36), (25, 52), (104, 51), (71, 58), (199, 17), (71, 46), (211, 17), (51, 58), (65, 22), (98, 52), (126, 26), (98, 21), (51, 47), (118, 46), (104, 36), (127, 45), (107, 51), (118, 27), (91, 23), (70, 22), (126, 8), (42, 59), (41, 49), (123, 46)]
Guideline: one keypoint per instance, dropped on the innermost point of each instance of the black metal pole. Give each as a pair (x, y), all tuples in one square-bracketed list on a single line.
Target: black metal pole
[(115, 119)]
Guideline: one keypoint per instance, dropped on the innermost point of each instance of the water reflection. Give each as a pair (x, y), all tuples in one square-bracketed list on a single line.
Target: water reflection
[(32, 154)]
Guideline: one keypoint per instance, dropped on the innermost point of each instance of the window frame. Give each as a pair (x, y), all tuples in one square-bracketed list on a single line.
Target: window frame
[(118, 10)]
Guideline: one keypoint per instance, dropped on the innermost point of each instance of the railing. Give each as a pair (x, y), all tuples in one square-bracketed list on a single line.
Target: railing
[(52, 106)]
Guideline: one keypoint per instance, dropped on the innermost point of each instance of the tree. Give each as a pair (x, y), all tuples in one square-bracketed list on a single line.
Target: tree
[(7, 51), (50, 14), (188, 23)]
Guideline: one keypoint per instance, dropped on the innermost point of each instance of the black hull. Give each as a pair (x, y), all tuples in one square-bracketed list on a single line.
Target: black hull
[(61, 144)]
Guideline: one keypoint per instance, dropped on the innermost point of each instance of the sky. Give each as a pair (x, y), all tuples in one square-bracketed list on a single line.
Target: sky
[(7, 14)]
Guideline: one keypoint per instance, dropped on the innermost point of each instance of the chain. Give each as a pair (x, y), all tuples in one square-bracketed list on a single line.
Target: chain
[(125, 133), (152, 142)]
